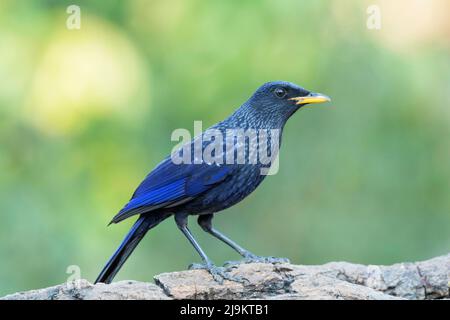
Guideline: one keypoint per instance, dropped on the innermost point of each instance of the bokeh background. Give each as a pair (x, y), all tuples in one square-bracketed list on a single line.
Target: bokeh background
[(86, 114)]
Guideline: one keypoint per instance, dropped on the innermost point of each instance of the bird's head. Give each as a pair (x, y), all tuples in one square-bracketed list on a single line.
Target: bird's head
[(280, 99)]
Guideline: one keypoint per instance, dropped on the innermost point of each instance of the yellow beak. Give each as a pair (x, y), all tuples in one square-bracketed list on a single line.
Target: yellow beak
[(311, 98)]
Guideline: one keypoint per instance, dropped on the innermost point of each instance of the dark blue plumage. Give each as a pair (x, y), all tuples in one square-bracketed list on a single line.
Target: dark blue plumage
[(206, 188)]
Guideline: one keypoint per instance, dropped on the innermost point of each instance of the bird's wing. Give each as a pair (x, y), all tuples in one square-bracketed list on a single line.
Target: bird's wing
[(169, 185)]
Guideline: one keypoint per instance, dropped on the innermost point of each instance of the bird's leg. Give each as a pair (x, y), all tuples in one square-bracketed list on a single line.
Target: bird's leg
[(218, 273), (205, 221)]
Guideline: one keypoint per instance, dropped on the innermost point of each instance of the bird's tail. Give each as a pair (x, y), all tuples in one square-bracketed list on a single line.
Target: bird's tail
[(129, 243)]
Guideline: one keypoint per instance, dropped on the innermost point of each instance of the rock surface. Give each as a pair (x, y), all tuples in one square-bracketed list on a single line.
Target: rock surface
[(336, 280)]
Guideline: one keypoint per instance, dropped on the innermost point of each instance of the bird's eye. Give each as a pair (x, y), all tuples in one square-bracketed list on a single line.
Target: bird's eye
[(279, 93)]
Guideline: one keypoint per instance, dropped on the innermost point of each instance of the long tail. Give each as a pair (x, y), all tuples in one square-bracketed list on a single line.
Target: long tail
[(129, 243)]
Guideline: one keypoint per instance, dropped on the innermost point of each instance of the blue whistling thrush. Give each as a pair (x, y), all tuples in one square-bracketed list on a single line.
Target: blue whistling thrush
[(203, 187)]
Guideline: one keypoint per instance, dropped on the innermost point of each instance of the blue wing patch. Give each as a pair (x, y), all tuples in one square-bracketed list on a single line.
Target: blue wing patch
[(169, 185)]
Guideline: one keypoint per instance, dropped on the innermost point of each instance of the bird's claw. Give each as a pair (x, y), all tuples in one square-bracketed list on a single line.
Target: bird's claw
[(252, 258), (219, 274)]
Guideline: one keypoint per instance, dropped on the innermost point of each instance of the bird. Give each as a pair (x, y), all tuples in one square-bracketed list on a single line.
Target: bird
[(202, 187)]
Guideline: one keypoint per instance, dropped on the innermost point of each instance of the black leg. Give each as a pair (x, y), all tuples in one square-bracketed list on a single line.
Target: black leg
[(218, 273), (205, 221)]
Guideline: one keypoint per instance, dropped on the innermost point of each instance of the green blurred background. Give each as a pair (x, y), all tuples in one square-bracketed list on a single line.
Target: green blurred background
[(86, 114)]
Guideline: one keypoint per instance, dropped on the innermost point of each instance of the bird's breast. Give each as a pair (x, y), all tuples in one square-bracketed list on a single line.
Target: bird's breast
[(231, 191)]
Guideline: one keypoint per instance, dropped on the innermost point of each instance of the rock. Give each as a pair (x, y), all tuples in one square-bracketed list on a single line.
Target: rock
[(317, 287), (336, 280), (421, 280), (84, 290)]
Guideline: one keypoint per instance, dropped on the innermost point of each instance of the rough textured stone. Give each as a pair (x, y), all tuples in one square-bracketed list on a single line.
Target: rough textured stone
[(84, 290), (319, 287), (421, 280), (336, 280)]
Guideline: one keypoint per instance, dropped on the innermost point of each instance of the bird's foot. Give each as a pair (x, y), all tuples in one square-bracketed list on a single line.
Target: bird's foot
[(252, 258), (219, 274)]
